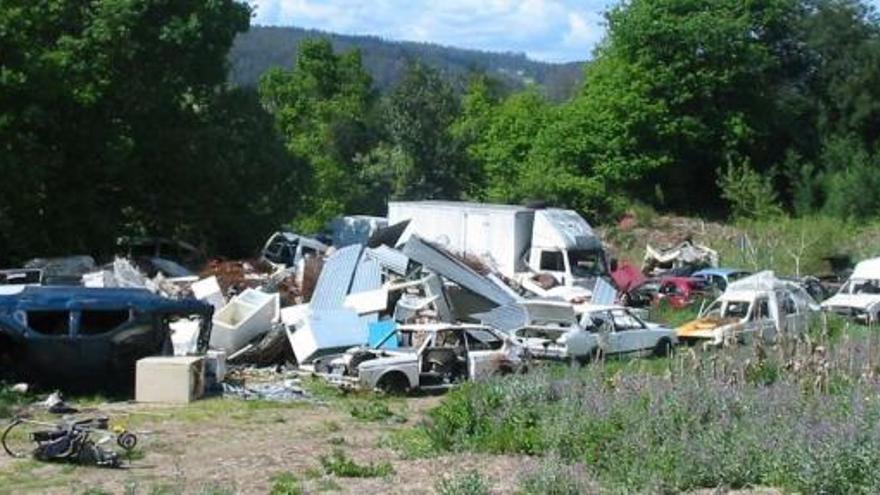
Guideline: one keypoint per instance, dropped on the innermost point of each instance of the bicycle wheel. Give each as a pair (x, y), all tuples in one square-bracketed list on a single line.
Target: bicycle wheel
[(16, 441)]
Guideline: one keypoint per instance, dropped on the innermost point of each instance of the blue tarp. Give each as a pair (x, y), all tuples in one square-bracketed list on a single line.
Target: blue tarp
[(379, 331)]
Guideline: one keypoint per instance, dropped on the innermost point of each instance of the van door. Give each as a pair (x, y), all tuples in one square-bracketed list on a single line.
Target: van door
[(761, 323)]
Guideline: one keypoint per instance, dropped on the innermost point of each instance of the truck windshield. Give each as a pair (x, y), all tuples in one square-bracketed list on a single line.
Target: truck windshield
[(585, 263)]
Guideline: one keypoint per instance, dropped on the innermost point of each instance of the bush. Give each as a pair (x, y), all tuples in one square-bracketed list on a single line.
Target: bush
[(339, 464), (468, 483)]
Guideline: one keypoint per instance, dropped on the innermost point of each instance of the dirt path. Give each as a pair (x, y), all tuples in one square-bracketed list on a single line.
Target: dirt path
[(229, 446)]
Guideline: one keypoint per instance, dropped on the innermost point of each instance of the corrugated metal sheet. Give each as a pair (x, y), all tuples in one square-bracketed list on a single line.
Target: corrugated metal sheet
[(603, 292), (505, 318), (391, 259), (336, 279), (367, 276), (454, 270)]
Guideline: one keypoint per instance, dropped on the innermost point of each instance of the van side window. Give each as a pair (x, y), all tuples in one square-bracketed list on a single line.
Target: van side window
[(95, 322), (552, 261), (762, 309), (56, 323), (788, 305)]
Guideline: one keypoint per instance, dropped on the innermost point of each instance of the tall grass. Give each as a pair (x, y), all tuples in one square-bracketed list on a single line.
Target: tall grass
[(797, 416)]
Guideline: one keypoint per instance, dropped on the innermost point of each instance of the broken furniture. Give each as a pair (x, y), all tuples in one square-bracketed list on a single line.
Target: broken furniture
[(170, 379)]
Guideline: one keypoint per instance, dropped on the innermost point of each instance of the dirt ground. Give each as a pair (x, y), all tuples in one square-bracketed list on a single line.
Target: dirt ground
[(230, 446)]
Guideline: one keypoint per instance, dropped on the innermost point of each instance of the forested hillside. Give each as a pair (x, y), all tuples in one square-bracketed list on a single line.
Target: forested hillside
[(263, 47)]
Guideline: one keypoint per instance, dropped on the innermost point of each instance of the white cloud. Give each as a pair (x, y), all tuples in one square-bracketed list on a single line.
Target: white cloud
[(557, 30)]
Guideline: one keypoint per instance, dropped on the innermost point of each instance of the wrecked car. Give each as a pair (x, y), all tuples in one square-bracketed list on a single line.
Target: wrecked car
[(605, 330), (680, 292), (66, 270), (289, 249), (859, 297), (146, 249), (428, 356), (760, 305), (719, 278), (84, 338)]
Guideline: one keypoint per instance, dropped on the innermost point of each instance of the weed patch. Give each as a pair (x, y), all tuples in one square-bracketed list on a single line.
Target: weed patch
[(339, 464), (286, 484), (374, 410), (468, 483)]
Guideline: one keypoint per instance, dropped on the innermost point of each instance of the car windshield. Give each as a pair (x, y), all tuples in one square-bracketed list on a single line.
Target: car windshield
[(736, 309), (733, 277), (585, 263)]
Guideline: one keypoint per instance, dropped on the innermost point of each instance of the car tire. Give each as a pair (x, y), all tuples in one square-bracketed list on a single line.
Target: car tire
[(663, 348), (394, 383)]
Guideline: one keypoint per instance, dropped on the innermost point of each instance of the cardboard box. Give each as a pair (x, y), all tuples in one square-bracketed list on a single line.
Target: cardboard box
[(170, 379)]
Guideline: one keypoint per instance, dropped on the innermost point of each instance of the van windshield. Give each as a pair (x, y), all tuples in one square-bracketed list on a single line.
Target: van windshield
[(736, 309), (862, 286), (585, 263)]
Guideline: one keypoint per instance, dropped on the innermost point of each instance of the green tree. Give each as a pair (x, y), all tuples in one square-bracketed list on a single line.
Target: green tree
[(680, 87), (418, 116), (500, 137), (103, 114), (322, 108)]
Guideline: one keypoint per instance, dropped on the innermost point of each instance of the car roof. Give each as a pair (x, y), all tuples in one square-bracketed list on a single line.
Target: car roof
[(72, 298)]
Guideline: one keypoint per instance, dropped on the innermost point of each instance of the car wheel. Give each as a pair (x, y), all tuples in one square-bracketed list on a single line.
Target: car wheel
[(663, 348), (393, 384)]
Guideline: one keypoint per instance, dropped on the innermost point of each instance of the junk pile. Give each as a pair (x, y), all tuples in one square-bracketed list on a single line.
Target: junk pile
[(681, 260), (433, 270)]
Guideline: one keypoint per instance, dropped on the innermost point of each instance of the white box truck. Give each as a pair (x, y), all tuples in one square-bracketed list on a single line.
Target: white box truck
[(517, 241)]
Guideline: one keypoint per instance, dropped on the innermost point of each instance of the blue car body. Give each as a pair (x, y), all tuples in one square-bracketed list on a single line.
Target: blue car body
[(83, 338)]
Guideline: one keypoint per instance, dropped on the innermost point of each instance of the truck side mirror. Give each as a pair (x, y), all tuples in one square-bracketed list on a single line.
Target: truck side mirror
[(613, 264)]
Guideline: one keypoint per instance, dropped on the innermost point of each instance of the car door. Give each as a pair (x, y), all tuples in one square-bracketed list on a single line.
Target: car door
[(632, 334), (605, 335), (486, 353)]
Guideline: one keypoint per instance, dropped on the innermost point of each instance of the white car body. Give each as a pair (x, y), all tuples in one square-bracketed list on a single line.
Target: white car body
[(437, 355), (606, 329), (859, 297), (760, 305)]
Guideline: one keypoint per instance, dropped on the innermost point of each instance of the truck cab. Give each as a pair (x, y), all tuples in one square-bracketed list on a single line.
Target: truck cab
[(565, 247)]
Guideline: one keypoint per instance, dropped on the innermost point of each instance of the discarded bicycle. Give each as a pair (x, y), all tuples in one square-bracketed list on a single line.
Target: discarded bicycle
[(79, 441)]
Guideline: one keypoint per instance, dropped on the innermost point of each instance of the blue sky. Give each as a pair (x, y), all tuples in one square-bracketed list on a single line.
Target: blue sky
[(550, 30)]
